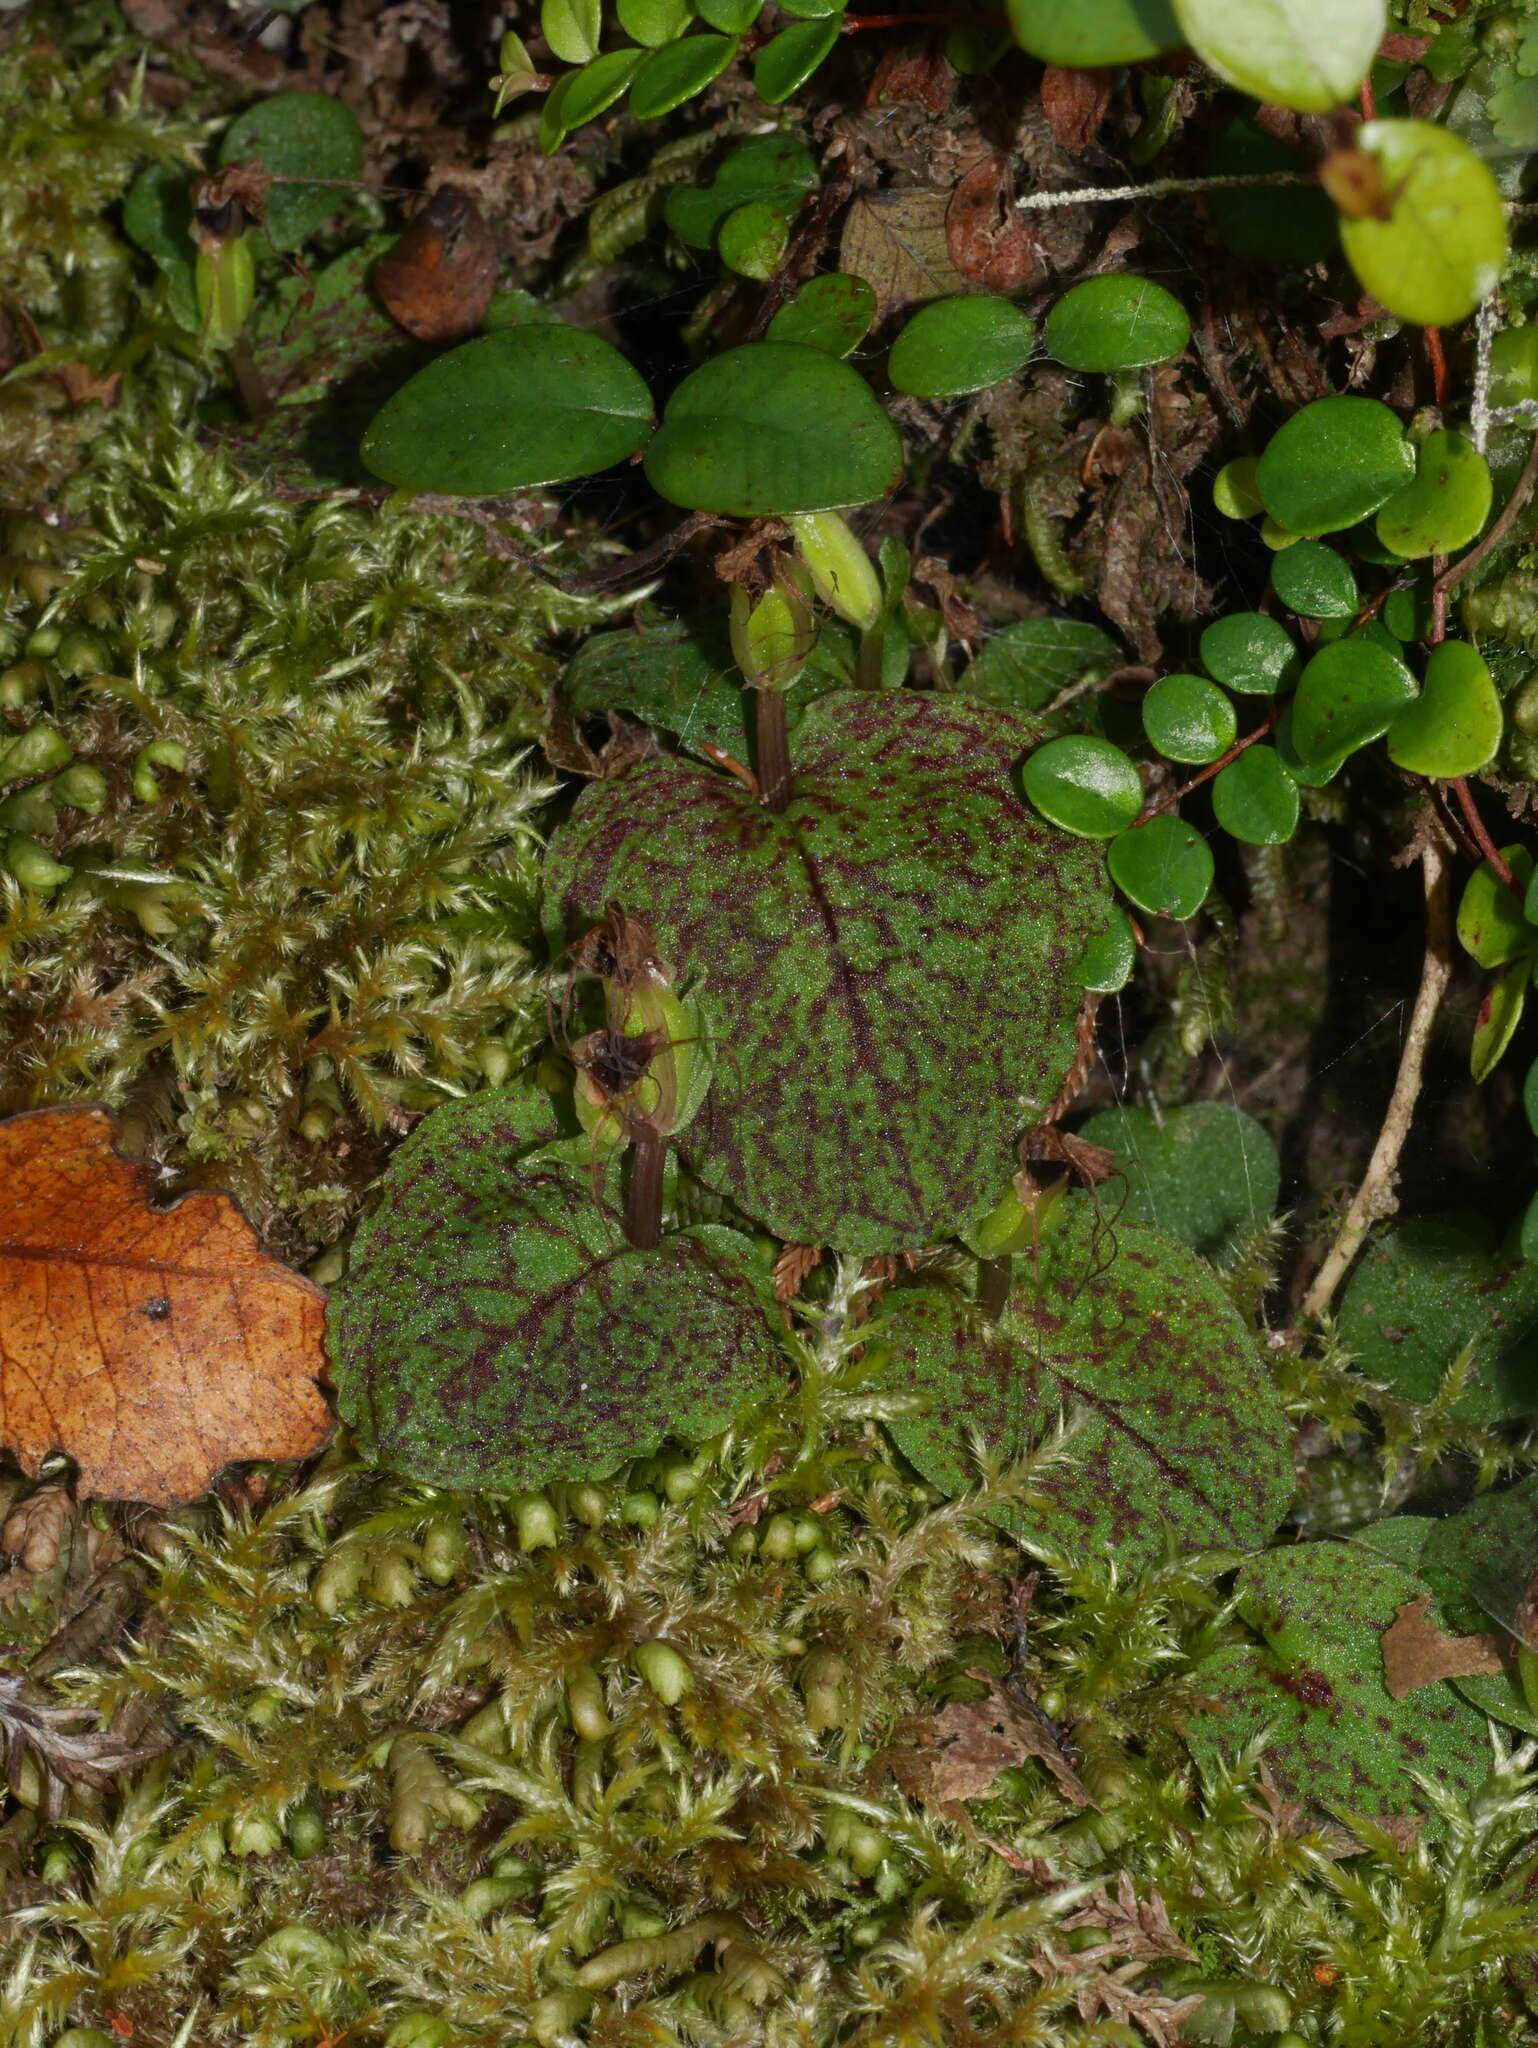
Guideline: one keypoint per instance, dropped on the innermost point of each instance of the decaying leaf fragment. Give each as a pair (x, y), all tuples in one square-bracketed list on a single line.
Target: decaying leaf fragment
[(967, 1745), (1416, 1652), (152, 1345)]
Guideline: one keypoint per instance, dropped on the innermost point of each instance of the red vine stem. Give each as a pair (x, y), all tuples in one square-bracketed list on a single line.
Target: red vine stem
[(1171, 798), (1438, 362), (1459, 786)]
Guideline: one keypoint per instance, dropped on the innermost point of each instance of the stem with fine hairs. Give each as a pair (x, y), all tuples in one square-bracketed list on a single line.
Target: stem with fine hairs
[(773, 748)]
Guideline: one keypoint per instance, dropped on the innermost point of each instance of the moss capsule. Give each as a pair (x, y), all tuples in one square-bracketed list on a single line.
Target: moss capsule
[(535, 1522), (664, 1671)]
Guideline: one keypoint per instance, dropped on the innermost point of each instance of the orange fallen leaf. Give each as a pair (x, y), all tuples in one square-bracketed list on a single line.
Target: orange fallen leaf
[(1416, 1652), (152, 1345)]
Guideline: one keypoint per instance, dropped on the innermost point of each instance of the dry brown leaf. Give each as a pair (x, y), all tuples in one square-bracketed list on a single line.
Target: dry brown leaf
[(976, 1739), (915, 75), (152, 1345), (1417, 1653), (34, 1531), (897, 242), (985, 232), (1075, 104), (1136, 1930)]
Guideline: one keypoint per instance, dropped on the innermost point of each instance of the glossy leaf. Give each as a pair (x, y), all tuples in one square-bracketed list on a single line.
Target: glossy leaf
[(496, 1330), (731, 17), (1207, 1173), (1184, 1438), (678, 72), (1446, 505), (571, 28), (1315, 582), (1499, 1015), (1165, 866), (771, 428), (1443, 246), (1491, 924), (526, 405), (1107, 962), (1333, 463), (833, 313), (953, 346), (1249, 652), (654, 22), (1117, 323), (890, 960), (1189, 719), (297, 135), (1082, 34), (1455, 726), (1234, 490), (1408, 613), (1313, 1686), (1308, 54), (776, 169), (1350, 693), (788, 60), (598, 85), (1256, 799), (1084, 784)]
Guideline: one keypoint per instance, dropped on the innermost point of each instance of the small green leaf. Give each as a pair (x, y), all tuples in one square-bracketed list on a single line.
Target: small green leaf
[(731, 17), (526, 405), (776, 169), (1250, 653), (772, 428), (598, 85), (1034, 660), (157, 214), (1308, 54), (1207, 1173), (1455, 726), (1445, 506), (677, 72), (1314, 581), (1165, 866), (1083, 34), (654, 22), (1189, 719), (788, 60), (553, 125), (1499, 1015), (1491, 924), (1119, 322), (1234, 490), (1513, 360), (1107, 962), (953, 346), (1443, 247), (753, 240), (1350, 693), (1333, 463), (1255, 798), (1407, 613), (297, 135), (571, 28), (1083, 784), (833, 313)]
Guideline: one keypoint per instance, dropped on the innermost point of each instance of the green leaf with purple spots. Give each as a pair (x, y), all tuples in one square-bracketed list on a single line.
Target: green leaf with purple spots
[(1315, 1682), (891, 959), (1184, 1434), (496, 1330)]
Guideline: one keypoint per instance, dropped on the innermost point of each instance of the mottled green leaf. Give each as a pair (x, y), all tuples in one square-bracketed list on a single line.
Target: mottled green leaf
[(891, 960), (1184, 1435), (1206, 1173), (496, 1329), (297, 135)]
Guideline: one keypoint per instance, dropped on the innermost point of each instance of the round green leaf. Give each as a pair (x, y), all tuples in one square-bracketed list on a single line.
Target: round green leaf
[(952, 346), (1107, 962), (731, 17), (1117, 323), (1313, 1688), (1234, 492), (1249, 652), (1184, 1439), (773, 427), (1084, 784), (1407, 613), (297, 135), (1491, 924), (1428, 1291), (495, 1328), (571, 28), (889, 961), (1255, 798), (1445, 506), (1164, 866), (1455, 725), (788, 60), (1207, 1174), (1314, 581), (526, 405), (1082, 34), (1350, 693), (654, 22), (753, 240), (1189, 719), (598, 85), (677, 72), (1308, 54), (1443, 247), (776, 169), (1333, 463), (833, 313)]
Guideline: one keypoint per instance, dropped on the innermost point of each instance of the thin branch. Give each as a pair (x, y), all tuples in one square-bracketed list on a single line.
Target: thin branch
[(1478, 832), (1375, 1198), (1172, 797)]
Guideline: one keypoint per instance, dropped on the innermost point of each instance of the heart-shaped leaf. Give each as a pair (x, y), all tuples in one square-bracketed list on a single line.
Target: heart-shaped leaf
[(496, 1329), (1333, 463), (953, 346), (1256, 799), (833, 313), (1314, 1686), (298, 135), (1184, 1435), (1442, 247), (1189, 719), (1083, 34), (1455, 725), (773, 427), (526, 405), (1164, 865), (1350, 693), (1315, 581), (891, 959), (1308, 54), (1207, 1173), (1117, 323), (1446, 505)]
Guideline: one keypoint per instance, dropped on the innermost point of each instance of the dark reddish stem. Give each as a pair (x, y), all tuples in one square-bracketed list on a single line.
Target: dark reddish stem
[(643, 1191), (1476, 824), (773, 749), (1174, 797), (993, 1283), (1438, 362), (1369, 104)]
